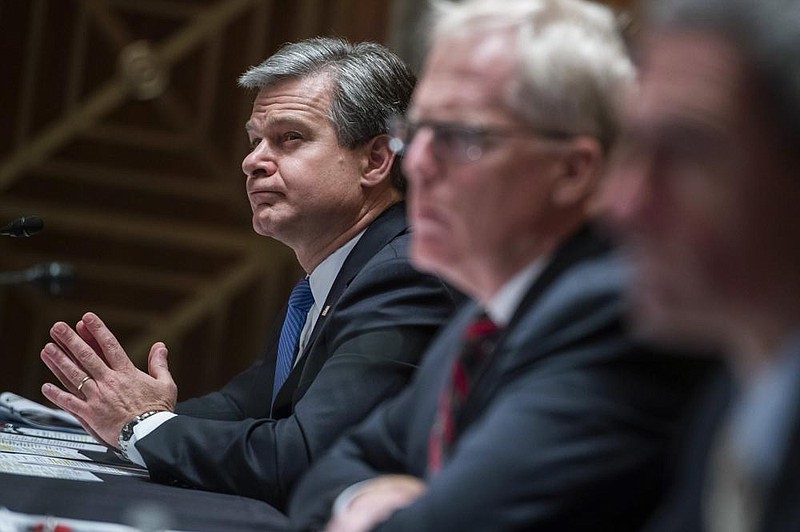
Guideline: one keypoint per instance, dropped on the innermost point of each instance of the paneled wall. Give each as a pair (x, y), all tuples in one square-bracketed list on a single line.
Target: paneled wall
[(122, 129)]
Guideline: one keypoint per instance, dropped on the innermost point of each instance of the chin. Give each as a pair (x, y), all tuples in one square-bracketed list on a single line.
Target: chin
[(670, 321), (259, 228), (266, 223), (424, 263), (426, 255)]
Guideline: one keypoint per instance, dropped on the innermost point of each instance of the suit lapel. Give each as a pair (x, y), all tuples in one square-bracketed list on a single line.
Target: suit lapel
[(584, 244), (387, 226)]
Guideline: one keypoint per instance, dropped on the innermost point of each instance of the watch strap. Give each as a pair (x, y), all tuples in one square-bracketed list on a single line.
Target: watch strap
[(126, 433)]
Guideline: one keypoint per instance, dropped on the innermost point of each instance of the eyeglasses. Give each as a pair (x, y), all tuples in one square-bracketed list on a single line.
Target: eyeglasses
[(456, 142)]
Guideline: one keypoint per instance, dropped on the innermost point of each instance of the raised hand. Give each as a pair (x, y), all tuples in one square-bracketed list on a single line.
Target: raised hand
[(104, 389)]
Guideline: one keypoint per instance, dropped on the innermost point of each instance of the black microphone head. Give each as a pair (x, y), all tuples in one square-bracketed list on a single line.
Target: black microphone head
[(23, 227), (33, 224)]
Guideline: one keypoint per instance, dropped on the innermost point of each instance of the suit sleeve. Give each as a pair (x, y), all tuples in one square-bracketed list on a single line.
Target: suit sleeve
[(245, 395), (573, 440), (550, 454), (375, 337)]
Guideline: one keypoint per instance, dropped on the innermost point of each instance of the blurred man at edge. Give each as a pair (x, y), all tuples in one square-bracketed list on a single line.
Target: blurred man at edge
[(705, 191)]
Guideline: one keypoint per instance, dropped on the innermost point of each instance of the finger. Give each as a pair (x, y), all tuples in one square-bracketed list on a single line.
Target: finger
[(78, 350), (74, 406), (60, 344), (335, 525), (64, 368), (65, 400), (57, 371), (349, 522), (91, 431), (84, 333), (157, 364), (114, 355)]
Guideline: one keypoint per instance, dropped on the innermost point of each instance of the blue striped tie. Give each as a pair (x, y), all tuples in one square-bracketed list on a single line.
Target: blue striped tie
[(300, 301)]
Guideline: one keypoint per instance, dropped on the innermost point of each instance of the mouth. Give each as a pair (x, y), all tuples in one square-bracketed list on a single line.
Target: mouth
[(264, 197), (431, 225), (427, 214)]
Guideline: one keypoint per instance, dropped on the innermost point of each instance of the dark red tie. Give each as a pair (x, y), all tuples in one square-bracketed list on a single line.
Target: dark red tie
[(480, 339)]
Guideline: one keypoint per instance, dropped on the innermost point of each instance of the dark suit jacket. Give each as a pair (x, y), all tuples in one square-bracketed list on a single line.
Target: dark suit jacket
[(382, 315), (683, 511), (567, 429)]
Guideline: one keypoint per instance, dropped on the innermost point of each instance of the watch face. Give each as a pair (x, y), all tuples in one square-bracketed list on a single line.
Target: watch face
[(127, 430)]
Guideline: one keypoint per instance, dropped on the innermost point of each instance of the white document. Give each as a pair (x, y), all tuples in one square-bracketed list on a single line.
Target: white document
[(41, 450), (19, 408), (14, 522), (9, 438), (73, 464), (36, 470), (55, 434)]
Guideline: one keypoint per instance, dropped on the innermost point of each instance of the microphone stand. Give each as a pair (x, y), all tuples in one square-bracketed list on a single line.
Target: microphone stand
[(54, 277)]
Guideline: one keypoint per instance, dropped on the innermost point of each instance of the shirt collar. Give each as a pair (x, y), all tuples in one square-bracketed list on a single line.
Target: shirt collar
[(503, 305), (322, 277)]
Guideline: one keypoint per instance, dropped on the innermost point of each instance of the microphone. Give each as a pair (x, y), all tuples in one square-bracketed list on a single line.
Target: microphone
[(23, 227), (52, 276)]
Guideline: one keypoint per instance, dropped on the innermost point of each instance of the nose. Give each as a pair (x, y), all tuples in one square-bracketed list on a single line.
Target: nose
[(419, 162), (259, 162)]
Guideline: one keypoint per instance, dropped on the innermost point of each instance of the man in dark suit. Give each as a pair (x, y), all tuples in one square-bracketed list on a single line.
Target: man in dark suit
[(533, 409), (321, 179), (706, 191)]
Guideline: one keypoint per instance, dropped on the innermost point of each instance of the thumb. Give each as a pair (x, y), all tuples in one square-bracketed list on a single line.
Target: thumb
[(157, 364)]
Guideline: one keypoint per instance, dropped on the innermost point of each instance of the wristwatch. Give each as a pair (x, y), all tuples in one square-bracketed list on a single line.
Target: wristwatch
[(126, 433)]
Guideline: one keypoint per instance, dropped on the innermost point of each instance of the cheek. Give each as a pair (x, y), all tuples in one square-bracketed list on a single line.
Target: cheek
[(441, 227), (675, 250), (715, 233), (324, 184)]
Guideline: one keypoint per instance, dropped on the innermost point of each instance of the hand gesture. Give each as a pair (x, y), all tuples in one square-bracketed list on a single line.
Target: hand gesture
[(104, 389)]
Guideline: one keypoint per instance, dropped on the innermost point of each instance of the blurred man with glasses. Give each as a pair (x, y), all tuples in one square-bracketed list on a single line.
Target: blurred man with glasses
[(533, 409)]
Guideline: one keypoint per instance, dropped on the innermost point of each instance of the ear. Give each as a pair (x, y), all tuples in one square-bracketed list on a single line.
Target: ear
[(377, 161), (580, 168)]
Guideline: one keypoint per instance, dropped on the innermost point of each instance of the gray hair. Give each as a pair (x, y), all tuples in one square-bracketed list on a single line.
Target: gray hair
[(573, 63), (369, 84), (765, 32)]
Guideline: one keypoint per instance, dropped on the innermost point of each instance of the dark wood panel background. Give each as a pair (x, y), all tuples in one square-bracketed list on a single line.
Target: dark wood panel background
[(122, 129), (121, 126)]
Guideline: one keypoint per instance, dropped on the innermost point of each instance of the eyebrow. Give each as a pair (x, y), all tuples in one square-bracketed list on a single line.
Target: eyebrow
[(250, 125)]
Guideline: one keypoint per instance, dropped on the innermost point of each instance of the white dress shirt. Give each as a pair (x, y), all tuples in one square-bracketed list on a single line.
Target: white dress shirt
[(504, 304)]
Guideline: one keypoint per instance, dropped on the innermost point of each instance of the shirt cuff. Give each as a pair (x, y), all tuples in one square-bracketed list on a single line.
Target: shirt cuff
[(142, 429), (343, 500)]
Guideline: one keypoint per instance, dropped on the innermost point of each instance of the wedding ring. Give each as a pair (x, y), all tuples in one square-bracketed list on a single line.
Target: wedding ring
[(83, 381)]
